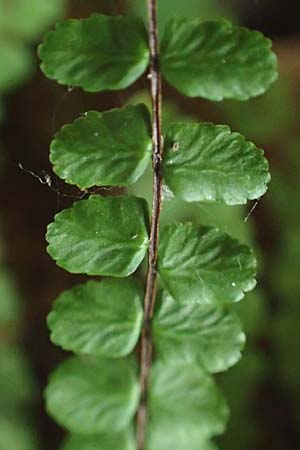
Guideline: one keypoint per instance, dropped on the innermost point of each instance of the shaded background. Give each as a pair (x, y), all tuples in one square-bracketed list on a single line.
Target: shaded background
[(263, 390)]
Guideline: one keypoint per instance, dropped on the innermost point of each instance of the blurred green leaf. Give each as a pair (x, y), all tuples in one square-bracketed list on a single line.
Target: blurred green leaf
[(98, 53), (184, 395), (10, 299), (263, 118), (206, 9), (28, 18), (110, 148), (172, 435), (203, 265), (100, 236), (16, 64), (16, 434), (98, 318), (205, 334), (109, 441), (253, 313), (286, 337), (251, 369), (241, 385), (90, 396), (206, 162), (216, 60), (229, 219), (16, 381), (171, 111)]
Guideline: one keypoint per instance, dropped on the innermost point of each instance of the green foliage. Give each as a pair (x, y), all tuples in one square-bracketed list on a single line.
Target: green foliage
[(93, 53), (240, 386), (206, 9), (183, 395), (89, 395), (89, 153), (203, 265), (15, 58), (216, 60), (123, 440), (10, 299), (83, 240), (98, 318), (203, 270), (16, 385), (26, 19), (257, 117), (167, 436), (15, 433), (21, 21), (283, 272), (205, 162), (208, 335)]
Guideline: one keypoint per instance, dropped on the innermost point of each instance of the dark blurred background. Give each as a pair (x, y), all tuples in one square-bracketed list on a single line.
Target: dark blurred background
[(263, 390)]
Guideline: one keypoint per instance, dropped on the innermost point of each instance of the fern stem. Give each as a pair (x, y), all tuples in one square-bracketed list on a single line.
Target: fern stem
[(150, 294)]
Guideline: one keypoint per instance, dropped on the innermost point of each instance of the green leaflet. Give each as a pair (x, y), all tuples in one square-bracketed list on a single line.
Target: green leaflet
[(98, 318), (171, 435), (216, 60), (16, 64), (109, 441), (91, 396), (206, 162), (184, 395), (205, 334), (110, 148), (200, 264), (100, 236), (98, 53)]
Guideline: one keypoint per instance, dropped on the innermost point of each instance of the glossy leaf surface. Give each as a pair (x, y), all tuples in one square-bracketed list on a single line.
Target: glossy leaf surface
[(98, 318), (208, 163), (111, 148), (203, 265), (217, 60), (98, 53), (91, 396), (100, 236), (205, 334)]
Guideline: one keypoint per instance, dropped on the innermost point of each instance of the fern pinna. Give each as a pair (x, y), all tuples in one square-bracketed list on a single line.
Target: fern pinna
[(165, 399)]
